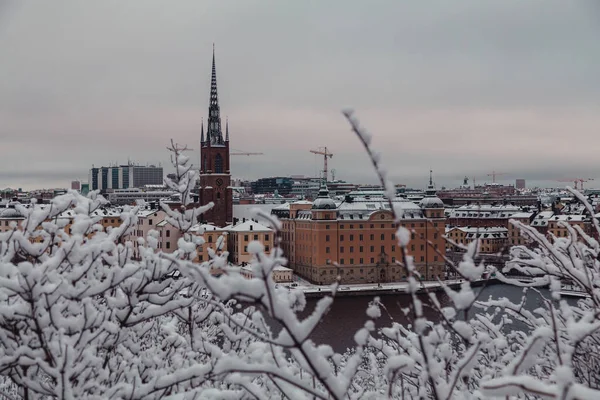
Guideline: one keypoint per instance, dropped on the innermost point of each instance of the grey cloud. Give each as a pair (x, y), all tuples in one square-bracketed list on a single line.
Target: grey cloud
[(462, 86)]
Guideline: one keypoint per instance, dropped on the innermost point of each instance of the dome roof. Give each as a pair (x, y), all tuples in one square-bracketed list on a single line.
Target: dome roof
[(431, 202), (323, 201), (10, 213)]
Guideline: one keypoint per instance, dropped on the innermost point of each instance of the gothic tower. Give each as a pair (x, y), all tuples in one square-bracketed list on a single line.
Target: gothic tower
[(215, 175)]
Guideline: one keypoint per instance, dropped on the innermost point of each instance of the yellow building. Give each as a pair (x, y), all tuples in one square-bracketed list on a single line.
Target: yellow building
[(241, 234), (356, 238)]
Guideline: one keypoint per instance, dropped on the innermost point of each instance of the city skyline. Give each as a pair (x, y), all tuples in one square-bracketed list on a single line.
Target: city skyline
[(448, 88)]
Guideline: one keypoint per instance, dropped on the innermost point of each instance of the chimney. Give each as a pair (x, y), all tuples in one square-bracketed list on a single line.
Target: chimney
[(251, 227)]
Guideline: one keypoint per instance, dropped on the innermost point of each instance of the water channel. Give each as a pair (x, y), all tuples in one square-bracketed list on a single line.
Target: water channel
[(348, 314)]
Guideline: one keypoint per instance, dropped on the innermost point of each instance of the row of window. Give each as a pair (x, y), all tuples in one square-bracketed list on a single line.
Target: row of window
[(246, 237)]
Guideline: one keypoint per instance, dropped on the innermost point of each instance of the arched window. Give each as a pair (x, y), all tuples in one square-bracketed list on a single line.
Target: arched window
[(218, 164), (205, 164)]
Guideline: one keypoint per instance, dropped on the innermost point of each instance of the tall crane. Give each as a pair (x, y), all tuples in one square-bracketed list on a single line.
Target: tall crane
[(325, 153), (494, 174), (577, 182)]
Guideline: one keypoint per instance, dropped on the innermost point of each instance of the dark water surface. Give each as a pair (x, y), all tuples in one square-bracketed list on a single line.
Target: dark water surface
[(348, 314)]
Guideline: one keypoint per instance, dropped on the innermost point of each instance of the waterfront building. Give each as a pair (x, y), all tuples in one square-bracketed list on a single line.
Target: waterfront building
[(355, 239), (491, 240)]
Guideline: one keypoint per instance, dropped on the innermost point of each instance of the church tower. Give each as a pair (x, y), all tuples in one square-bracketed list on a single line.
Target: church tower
[(215, 175)]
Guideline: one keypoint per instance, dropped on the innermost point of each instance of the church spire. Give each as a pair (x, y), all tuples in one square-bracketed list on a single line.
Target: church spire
[(214, 134), (202, 132), (430, 177), (227, 129)]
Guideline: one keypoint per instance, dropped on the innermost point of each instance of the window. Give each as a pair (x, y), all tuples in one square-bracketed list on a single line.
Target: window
[(372, 249), (412, 247), (219, 164), (341, 238), (435, 235), (327, 250), (210, 239), (382, 249), (342, 261), (412, 236), (341, 226), (255, 237), (201, 257), (435, 258), (245, 238), (266, 237), (266, 248), (351, 236), (168, 233), (372, 237), (361, 261), (351, 249), (422, 247), (218, 195), (326, 226), (351, 261), (245, 249), (168, 245), (327, 238), (150, 222), (360, 249), (360, 237), (394, 248), (422, 258), (351, 226), (372, 226), (342, 249), (383, 236), (372, 260), (393, 259)]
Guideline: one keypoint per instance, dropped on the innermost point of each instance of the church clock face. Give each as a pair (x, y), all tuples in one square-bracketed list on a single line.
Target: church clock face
[(219, 182)]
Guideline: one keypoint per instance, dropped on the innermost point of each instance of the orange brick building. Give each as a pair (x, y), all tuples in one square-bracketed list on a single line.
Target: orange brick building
[(356, 238)]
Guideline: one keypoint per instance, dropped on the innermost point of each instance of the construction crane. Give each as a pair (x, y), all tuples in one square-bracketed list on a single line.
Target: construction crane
[(577, 182), (494, 174), (325, 153)]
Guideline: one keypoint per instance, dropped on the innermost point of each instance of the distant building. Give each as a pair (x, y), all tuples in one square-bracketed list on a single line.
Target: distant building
[(281, 184), (124, 177), (129, 196), (520, 183), (76, 185)]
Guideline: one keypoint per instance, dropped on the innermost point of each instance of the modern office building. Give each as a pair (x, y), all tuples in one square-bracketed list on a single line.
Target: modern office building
[(124, 177)]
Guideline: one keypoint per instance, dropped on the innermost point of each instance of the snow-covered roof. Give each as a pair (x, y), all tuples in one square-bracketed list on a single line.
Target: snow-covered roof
[(522, 215), (248, 226), (431, 202), (208, 228)]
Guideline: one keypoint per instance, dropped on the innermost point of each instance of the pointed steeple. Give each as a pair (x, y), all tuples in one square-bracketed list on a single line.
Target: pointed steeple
[(430, 192), (227, 129), (202, 132), (214, 99), (214, 134)]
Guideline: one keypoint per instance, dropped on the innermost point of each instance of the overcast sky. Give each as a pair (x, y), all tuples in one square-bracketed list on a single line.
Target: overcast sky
[(463, 87)]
